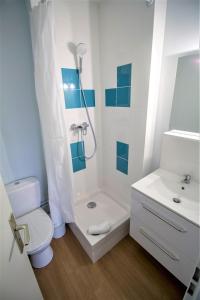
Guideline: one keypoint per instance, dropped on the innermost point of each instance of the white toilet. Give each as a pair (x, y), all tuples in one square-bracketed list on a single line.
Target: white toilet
[(25, 198)]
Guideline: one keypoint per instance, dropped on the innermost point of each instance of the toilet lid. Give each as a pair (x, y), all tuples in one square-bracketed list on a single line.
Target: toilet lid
[(40, 229)]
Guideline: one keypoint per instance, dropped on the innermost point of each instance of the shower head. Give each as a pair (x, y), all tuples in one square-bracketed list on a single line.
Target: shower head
[(149, 2), (81, 49)]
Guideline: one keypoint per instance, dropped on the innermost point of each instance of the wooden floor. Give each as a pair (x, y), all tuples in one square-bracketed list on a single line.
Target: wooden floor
[(126, 272)]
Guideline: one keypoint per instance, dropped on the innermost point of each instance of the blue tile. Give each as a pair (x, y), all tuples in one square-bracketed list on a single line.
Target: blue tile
[(71, 77), (78, 164), (110, 96), (122, 165), (122, 150), (89, 97), (124, 75), (77, 149), (72, 98), (123, 97)]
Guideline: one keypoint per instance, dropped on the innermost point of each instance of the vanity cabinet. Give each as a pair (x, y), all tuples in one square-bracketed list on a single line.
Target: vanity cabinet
[(168, 237)]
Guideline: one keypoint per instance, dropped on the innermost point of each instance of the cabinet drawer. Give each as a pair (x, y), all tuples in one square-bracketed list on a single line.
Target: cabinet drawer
[(175, 230), (176, 262)]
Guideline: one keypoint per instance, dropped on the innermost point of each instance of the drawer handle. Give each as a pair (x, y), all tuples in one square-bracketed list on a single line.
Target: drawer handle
[(161, 217), (158, 244)]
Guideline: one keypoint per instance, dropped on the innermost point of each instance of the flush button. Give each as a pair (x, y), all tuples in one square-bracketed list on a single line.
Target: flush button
[(196, 275)]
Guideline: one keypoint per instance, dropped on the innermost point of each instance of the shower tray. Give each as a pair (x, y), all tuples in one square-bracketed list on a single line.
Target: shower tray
[(106, 209)]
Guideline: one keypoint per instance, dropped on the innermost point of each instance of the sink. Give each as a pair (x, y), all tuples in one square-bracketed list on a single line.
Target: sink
[(168, 189)]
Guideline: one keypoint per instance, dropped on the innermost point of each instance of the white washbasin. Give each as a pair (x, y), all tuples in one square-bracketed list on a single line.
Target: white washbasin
[(162, 186)]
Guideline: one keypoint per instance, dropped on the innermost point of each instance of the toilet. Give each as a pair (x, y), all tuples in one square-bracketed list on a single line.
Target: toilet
[(25, 199)]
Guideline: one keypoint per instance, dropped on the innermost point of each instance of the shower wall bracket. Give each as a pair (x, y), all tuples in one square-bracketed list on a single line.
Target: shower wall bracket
[(80, 127)]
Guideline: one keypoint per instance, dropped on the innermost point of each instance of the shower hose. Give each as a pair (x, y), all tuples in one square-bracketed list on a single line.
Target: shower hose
[(89, 121)]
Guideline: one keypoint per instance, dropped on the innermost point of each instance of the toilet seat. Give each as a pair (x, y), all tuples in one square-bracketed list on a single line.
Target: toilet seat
[(40, 229)]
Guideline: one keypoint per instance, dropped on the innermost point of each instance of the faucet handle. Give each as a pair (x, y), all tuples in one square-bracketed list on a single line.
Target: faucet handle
[(73, 127), (85, 125)]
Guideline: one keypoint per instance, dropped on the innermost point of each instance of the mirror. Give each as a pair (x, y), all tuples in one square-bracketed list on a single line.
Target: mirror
[(185, 105)]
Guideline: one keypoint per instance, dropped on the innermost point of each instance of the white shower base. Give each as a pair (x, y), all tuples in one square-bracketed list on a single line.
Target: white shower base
[(106, 210)]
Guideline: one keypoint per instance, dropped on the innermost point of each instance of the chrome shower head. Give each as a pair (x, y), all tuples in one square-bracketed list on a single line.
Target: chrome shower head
[(81, 49), (80, 52)]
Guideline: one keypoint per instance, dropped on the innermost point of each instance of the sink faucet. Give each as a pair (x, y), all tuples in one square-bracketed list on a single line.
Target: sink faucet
[(187, 179)]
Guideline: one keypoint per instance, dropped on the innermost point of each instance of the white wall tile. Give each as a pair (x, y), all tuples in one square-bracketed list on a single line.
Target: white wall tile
[(116, 33), (125, 37), (76, 21)]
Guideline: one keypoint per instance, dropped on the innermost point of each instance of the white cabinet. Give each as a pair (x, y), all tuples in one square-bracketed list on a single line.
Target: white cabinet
[(168, 237)]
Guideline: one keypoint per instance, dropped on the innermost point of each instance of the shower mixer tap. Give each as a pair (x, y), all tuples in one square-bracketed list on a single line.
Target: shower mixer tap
[(82, 127)]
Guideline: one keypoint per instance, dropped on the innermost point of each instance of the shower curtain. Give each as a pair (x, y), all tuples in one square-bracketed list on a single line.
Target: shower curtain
[(49, 98)]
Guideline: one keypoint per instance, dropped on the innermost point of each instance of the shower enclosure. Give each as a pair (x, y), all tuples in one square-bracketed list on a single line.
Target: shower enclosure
[(100, 222), (103, 69)]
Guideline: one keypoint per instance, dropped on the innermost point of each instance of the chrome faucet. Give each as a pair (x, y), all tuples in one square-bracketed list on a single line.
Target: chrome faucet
[(187, 179), (82, 127)]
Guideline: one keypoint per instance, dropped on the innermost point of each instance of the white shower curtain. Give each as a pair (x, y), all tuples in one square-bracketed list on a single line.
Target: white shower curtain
[(49, 98)]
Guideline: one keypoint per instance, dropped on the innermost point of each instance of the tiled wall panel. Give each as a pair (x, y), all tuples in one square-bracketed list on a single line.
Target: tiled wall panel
[(120, 96), (122, 150)]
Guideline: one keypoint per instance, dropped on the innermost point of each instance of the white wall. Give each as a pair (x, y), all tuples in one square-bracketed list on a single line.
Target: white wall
[(154, 81), (116, 33), (21, 152), (126, 29), (182, 26), (77, 21), (180, 155)]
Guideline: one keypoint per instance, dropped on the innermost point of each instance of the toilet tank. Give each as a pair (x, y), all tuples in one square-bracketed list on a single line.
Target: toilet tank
[(24, 195)]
